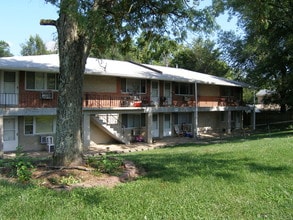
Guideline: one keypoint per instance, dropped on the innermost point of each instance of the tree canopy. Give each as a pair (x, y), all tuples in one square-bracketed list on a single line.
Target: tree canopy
[(34, 46), (5, 49), (202, 56), (264, 54)]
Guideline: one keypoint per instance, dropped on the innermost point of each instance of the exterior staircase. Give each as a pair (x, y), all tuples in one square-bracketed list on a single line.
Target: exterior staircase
[(111, 125)]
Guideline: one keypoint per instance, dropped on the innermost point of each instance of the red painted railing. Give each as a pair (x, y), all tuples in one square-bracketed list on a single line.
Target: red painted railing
[(32, 99)]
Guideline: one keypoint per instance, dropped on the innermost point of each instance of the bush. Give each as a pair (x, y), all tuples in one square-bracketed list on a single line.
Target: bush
[(24, 170), (105, 164)]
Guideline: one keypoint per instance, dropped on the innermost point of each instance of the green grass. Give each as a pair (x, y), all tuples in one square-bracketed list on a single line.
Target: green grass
[(237, 179)]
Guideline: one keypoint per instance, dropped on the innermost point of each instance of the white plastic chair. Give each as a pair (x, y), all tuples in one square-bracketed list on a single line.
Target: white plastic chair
[(50, 143)]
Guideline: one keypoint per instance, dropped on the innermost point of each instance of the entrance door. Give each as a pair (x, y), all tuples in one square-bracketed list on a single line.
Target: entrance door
[(9, 94), (155, 126), (167, 125), (167, 93), (155, 94), (10, 140)]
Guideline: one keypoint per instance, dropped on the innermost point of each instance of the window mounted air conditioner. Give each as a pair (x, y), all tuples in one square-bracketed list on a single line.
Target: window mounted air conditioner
[(46, 95), (43, 139)]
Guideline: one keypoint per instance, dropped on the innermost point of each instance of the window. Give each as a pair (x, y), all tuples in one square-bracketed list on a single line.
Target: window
[(28, 125), (167, 121), (184, 89), (39, 125), (222, 116), (167, 91), (182, 118), (133, 86), (41, 81), (133, 120), (9, 82)]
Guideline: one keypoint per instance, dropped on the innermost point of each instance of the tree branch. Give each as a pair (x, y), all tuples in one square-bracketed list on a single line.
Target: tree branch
[(48, 22)]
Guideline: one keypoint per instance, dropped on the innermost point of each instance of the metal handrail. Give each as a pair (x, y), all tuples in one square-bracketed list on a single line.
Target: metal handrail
[(120, 127)]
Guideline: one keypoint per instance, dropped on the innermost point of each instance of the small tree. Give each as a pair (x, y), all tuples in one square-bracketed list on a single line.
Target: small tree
[(34, 46), (4, 49)]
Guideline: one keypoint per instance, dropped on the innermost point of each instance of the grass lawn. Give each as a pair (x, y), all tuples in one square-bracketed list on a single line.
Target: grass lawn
[(248, 178)]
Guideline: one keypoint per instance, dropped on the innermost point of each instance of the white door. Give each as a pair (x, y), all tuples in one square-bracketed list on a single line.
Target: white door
[(167, 125), (155, 94), (155, 126), (10, 139), (167, 93)]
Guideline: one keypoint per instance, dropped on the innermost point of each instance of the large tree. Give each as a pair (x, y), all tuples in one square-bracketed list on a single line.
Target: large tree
[(33, 46), (265, 52), (83, 24), (5, 49)]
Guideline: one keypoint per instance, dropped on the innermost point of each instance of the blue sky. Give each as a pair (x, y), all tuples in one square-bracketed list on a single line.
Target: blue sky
[(19, 19)]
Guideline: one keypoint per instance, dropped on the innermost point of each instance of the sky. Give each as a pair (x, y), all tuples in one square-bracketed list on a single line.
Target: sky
[(19, 19)]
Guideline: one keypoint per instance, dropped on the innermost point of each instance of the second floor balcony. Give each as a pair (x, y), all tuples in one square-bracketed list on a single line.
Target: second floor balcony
[(95, 100)]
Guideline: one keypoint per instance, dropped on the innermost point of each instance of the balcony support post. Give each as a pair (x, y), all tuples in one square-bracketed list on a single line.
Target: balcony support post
[(1, 137), (86, 131), (149, 125), (229, 122), (195, 115)]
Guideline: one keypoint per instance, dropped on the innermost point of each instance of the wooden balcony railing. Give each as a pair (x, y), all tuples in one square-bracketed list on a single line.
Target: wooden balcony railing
[(34, 99), (213, 101)]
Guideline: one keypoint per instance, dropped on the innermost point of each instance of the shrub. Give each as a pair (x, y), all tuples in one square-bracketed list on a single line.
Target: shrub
[(105, 164), (24, 170)]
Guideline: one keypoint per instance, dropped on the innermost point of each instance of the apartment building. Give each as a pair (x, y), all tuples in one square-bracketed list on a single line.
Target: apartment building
[(122, 102)]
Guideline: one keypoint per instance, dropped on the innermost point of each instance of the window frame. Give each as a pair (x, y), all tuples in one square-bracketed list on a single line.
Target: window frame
[(39, 78), (128, 120), (126, 87), (35, 123), (180, 87)]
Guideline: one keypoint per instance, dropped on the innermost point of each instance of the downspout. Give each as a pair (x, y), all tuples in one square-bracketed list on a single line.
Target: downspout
[(196, 112), (253, 111)]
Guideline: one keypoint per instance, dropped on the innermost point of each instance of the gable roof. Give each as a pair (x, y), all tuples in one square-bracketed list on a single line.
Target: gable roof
[(105, 67)]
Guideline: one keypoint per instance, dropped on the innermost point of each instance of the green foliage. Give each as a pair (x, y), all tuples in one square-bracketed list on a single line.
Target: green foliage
[(155, 49), (34, 46), (4, 49), (249, 178), (68, 180), (20, 167), (202, 56), (248, 96), (19, 151), (23, 170), (105, 164), (265, 53)]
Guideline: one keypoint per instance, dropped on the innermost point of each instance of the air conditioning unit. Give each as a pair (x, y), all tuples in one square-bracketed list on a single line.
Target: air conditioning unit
[(43, 139), (46, 95)]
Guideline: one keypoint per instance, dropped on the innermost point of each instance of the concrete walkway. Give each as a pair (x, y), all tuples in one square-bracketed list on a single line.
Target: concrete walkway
[(139, 146), (99, 149)]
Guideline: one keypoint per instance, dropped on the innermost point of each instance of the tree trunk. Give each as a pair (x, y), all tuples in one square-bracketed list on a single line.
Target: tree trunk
[(72, 57)]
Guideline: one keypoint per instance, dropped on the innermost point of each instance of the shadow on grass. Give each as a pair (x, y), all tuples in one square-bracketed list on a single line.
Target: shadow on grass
[(271, 170), (236, 139), (175, 167), (172, 165)]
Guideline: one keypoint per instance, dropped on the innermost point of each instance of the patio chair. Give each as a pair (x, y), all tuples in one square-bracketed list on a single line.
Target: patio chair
[(50, 143), (178, 132)]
